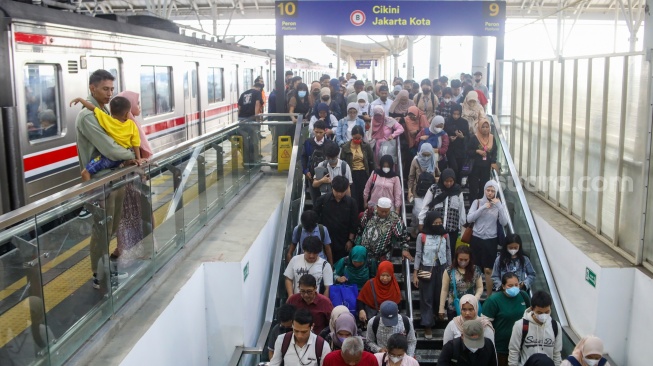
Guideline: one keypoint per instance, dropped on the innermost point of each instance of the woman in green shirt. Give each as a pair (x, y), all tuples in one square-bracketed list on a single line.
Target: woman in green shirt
[(504, 309)]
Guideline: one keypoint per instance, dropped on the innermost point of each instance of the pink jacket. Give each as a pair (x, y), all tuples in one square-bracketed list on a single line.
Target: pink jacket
[(383, 187)]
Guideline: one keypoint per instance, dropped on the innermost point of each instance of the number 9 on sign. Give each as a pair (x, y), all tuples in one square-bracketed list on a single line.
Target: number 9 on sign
[(491, 9), (494, 9), (287, 8)]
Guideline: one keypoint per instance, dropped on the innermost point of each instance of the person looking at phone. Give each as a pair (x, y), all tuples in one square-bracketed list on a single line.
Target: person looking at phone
[(331, 168)]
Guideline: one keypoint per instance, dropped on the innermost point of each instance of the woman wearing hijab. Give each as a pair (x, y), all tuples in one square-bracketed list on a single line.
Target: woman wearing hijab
[(438, 138), (383, 182), (424, 161), (383, 287), (457, 128), (323, 114), (446, 194), (468, 311), (416, 121), (472, 110), (300, 103), (588, 352), (362, 100), (325, 97), (347, 124), (484, 213), (482, 150), (399, 108), (131, 227), (359, 156), (383, 130), (395, 92), (432, 257), (355, 269)]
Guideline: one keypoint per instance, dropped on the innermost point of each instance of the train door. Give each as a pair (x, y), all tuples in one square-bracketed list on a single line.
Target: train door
[(234, 90), (191, 101)]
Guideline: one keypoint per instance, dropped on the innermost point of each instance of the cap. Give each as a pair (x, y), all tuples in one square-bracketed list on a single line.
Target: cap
[(384, 202), (389, 313), (473, 334)]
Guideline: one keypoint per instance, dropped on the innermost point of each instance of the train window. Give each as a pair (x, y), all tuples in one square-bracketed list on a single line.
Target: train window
[(156, 90), (216, 84), (112, 65), (42, 101), (248, 78)]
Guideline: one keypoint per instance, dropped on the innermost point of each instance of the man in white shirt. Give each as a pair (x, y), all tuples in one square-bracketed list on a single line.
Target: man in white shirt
[(301, 347), (383, 100), (309, 263)]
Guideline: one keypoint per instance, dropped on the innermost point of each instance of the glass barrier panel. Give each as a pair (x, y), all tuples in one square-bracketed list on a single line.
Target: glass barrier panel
[(214, 156), (192, 193), (168, 210)]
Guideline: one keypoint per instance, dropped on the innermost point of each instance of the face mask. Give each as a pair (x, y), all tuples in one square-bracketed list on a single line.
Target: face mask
[(342, 340), (513, 251), (356, 141), (301, 93), (316, 93), (426, 155), (543, 317), (478, 80), (396, 359), (513, 291), (386, 170), (438, 129), (325, 99), (591, 362), (333, 161), (471, 349), (463, 264), (439, 230), (426, 90), (447, 100), (361, 104)]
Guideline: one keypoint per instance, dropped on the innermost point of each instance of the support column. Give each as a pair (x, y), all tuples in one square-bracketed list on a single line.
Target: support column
[(434, 65), (479, 55), (280, 84), (338, 56), (395, 59), (411, 42)]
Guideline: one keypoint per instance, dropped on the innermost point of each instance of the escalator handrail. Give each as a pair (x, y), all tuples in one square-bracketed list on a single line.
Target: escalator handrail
[(302, 202), (405, 262), (531, 225), (495, 177)]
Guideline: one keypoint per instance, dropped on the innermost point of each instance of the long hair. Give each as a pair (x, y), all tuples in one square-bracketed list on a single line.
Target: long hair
[(505, 257), (469, 271)]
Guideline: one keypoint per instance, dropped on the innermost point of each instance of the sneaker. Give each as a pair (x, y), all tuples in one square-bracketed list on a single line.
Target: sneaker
[(84, 213), (119, 275), (96, 283), (428, 333)]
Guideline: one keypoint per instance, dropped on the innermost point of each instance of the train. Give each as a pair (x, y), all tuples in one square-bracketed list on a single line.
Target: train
[(189, 86)]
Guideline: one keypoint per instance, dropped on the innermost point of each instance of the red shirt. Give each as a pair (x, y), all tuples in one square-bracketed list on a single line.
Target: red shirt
[(335, 359), (320, 308)]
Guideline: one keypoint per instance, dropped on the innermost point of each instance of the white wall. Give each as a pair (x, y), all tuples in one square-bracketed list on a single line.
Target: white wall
[(618, 310), (178, 336)]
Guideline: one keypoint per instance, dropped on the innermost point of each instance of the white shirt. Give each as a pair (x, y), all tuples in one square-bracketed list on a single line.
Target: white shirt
[(298, 267), (386, 105), (294, 353), (337, 170)]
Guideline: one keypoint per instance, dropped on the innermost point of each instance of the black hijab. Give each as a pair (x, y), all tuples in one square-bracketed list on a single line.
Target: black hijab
[(446, 192), (429, 228), (386, 159)]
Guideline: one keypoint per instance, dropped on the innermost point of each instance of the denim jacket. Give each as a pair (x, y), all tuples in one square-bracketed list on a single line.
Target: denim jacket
[(341, 131)]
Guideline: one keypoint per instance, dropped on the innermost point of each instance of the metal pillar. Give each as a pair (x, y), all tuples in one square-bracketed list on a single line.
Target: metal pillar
[(411, 42), (479, 54), (395, 58), (338, 56), (434, 69), (280, 84)]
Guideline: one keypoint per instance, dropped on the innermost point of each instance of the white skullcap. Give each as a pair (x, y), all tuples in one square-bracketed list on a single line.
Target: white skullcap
[(384, 202)]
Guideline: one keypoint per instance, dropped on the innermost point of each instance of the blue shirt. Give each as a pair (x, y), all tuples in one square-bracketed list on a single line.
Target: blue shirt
[(297, 238)]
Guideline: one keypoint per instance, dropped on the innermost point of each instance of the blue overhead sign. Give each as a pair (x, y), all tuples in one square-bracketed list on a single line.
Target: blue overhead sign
[(364, 64), (365, 17)]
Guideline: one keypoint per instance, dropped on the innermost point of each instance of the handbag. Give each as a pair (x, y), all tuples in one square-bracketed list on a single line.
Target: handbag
[(346, 295), (425, 275), (467, 168), (469, 230)]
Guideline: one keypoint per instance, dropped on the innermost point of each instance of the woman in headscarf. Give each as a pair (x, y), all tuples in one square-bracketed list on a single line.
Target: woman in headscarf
[(468, 311), (422, 162), (438, 138), (399, 108), (415, 122), (383, 287), (432, 258), (472, 110), (482, 150), (360, 158), (380, 229), (355, 269), (363, 103), (588, 352), (383, 182), (395, 92), (457, 128), (325, 97), (384, 129), (484, 213), (325, 115), (131, 228), (446, 194), (347, 124)]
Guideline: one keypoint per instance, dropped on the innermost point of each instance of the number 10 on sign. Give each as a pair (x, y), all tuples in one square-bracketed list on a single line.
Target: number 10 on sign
[(287, 9)]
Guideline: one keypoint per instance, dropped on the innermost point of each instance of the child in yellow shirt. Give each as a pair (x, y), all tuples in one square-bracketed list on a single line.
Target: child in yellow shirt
[(122, 129)]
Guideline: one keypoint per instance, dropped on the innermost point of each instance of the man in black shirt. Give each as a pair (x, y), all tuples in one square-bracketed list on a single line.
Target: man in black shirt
[(471, 349), (339, 213), (250, 104)]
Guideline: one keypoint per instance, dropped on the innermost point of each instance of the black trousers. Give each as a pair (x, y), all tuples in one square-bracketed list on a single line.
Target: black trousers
[(477, 179)]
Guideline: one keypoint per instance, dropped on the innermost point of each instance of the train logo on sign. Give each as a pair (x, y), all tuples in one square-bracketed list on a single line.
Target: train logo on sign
[(357, 18)]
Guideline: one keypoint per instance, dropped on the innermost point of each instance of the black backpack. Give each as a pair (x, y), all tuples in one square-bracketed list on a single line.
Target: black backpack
[(377, 320), (524, 332), (424, 182), (317, 156)]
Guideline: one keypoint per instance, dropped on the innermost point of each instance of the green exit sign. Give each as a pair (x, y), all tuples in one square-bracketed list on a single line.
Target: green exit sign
[(245, 272), (590, 276)]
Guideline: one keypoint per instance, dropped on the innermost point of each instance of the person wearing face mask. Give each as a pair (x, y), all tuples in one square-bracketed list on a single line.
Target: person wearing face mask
[(421, 177), (483, 151), (432, 257), (536, 333), (339, 101), (588, 352), (504, 309), (395, 92), (386, 323), (473, 112), (347, 124), (300, 103), (489, 216), (438, 138), (359, 156), (446, 103), (363, 107), (478, 83), (323, 97), (415, 122), (323, 114), (399, 108), (341, 326), (285, 316), (465, 276), (383, 130), (426, 101), (395, 354), (512, 259), (468, 311), (334, 167), (471, 349), (383, 182), (457, 128), (380, 228)]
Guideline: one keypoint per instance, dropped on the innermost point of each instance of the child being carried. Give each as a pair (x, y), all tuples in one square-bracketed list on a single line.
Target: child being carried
[(122, 129)]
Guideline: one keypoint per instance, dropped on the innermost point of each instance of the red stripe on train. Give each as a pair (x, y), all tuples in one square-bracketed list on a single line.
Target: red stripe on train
[(164, 125), (51, 157), (40, 39)]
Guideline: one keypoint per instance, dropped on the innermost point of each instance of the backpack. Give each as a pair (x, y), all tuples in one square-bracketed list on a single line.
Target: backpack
[(572, 360), (524, 332), (419, 96), (319, 345), (425, 181), (317, 156), (320, 228), (326, 188), (377, 319)]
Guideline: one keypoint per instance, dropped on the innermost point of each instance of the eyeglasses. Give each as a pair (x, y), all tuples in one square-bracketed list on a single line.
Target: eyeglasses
[(307, 292)]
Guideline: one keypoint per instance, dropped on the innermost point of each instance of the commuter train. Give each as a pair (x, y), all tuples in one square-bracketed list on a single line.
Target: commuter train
[(189, 86)]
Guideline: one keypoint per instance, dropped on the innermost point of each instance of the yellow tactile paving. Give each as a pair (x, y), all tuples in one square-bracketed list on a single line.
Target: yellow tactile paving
[(17, 319)]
